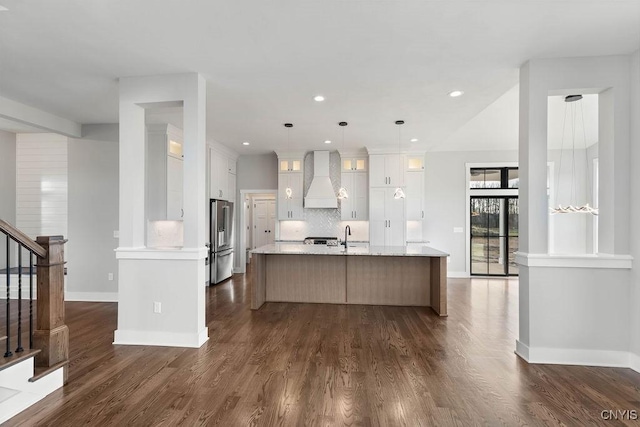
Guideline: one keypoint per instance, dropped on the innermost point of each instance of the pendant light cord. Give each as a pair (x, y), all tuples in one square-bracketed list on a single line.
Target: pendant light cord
[(564, 124), (589, 192), (399, 156)]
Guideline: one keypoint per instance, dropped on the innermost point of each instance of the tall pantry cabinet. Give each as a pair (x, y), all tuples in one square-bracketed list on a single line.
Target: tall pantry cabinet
[(393, 222)]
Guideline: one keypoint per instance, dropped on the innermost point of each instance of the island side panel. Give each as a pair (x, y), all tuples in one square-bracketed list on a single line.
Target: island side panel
[(258, 281), (439, 285), (388, 280), (306, 278)]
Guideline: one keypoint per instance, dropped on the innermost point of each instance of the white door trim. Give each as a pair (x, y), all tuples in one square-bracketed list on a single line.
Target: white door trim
[(241, 255)]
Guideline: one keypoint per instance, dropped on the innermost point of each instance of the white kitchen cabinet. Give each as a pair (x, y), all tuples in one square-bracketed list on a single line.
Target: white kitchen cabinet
[(165, 174), (290, 209), (175, 180), (414, 162), (293, 165), (386, 170), (414, 191), (353, 163), (386, 218), (355, 207), (222, 174)]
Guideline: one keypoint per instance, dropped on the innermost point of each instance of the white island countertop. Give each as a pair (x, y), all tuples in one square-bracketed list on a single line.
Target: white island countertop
[(302, 249)]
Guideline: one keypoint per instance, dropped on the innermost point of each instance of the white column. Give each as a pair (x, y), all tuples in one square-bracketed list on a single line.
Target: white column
[(566, 303), (161, 292)]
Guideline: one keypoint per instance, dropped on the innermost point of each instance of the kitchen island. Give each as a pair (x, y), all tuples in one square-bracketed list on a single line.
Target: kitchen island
[(389, 275)]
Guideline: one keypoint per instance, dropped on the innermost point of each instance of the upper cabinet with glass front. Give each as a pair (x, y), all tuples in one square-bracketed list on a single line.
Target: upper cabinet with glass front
[(290, 165), (175, 146), (414, 162), (353, 163)]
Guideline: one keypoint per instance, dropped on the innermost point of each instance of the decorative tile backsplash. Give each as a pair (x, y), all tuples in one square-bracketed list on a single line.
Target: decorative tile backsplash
[(323, 222)]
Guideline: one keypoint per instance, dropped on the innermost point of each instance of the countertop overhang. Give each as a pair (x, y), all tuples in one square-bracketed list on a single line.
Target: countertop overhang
[(302, 249)]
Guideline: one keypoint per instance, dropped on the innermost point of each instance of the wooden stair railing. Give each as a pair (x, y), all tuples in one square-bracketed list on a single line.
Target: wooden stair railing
[(51, 335)]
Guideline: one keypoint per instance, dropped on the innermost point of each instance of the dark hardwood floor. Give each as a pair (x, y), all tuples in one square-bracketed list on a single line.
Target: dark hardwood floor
[(307, 364)]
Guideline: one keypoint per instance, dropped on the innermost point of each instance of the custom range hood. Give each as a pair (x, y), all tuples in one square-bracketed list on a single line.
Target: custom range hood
[(321, 193)]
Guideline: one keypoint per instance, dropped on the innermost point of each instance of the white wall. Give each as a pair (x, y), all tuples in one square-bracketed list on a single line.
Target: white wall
[(445, 199), (259, 172), (254, 172), (41, 184), (7, 185), (93, 214), (572, 234), (634, 300)]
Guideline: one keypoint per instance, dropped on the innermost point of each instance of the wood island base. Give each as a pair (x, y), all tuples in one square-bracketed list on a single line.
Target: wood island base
[(340, 279)]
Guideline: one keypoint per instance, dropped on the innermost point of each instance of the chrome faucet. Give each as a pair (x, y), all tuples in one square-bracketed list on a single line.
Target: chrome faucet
[(347, 229)]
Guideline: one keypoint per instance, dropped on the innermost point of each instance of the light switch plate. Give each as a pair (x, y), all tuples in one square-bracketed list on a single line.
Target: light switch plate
[(116, 234)]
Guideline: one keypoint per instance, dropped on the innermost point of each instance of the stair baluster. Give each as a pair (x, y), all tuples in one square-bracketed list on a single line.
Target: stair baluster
[(30, 299), (8, 353), (19, 348)]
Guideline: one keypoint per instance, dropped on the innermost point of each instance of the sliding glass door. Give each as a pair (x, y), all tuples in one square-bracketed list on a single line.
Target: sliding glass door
[(494, 235)]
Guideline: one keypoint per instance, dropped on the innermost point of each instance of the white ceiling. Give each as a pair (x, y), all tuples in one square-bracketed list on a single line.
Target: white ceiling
[(374, 61)]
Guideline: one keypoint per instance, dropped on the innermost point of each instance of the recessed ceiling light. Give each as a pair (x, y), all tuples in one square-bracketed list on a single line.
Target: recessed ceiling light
[(318, 98), (414, 139), (327, 142), (456, 93), (246, 143)]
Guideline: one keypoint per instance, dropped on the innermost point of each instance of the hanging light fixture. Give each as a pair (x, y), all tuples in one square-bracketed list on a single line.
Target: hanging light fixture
[(399, 193), (288, 191), (342, 192), (572, 108)]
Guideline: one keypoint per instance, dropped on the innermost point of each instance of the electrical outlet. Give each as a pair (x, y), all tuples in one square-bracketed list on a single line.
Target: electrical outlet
[(116, 234), (110, 276), (458, 229), (157, 307)]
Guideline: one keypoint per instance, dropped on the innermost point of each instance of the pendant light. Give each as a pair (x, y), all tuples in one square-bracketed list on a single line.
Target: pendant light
[(342, 192), (288, 191), (571, 106), (399, 193)]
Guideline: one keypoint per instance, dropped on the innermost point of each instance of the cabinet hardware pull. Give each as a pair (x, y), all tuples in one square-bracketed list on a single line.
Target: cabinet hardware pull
[(181, 213), (422, 214)]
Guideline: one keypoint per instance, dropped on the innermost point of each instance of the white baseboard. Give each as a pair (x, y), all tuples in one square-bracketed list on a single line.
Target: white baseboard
[(91, 296), (237, 270), (457, 274), (634, 362), (162, 339), (580, 357), (522, 350)]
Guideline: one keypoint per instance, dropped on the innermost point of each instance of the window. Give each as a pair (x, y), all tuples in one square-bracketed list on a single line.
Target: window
[(494, 178)]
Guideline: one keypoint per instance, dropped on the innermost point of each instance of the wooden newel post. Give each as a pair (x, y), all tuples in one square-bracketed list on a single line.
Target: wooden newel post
[(51, 335)]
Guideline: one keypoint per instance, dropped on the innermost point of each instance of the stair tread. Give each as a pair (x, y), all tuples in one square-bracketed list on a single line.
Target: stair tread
[(43, 371), (6, 362)]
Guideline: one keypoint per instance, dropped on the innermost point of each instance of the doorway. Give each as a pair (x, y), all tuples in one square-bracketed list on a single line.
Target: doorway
[(494, 235), (246, 236), (264, 222)]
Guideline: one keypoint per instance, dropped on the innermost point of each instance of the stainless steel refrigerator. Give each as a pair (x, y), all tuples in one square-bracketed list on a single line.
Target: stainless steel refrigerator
[(221, 256)]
